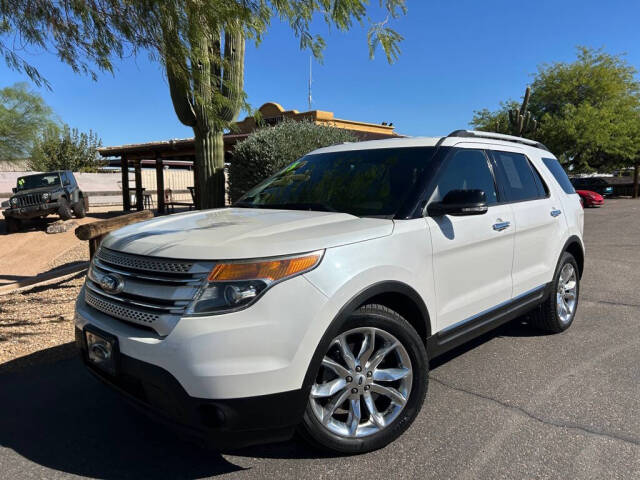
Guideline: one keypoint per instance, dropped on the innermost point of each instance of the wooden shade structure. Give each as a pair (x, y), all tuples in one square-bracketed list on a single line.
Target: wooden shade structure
[(164, 152)]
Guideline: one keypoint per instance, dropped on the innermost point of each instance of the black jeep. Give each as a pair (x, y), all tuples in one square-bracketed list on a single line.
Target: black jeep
[(39, 195)]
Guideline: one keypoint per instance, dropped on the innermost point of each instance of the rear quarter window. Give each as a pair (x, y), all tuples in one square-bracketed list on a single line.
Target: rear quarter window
[(559, 174)]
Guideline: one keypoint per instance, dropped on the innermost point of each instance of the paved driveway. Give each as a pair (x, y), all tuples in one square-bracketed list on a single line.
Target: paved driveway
[(514, 404)]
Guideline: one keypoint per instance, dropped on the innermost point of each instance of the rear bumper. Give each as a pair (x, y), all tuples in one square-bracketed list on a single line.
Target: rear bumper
[(31, 211), (220, 424)]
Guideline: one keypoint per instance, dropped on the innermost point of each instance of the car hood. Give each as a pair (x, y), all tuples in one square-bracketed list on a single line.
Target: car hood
[(50, 189), (235, 233)]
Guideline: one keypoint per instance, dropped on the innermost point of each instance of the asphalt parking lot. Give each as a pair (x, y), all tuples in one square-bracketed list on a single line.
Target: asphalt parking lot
[(513, 404)]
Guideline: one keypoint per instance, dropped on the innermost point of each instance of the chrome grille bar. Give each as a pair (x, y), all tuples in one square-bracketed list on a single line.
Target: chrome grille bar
[(147, 264), (153, 292)]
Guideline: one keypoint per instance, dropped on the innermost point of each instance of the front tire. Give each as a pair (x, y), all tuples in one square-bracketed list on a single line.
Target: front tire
[(64, 210), (370, 385), (12, 224), (556, 314), (79, 209)]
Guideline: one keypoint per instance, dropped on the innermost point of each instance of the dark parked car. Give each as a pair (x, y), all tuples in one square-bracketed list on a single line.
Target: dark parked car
[(36, 196), (594, 184)]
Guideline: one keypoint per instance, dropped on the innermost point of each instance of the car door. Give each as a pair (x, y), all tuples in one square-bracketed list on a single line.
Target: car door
[(539, 224), (472, 255)]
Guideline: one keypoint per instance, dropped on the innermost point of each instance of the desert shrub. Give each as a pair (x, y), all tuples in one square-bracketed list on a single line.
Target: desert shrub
[(66, 149), (270, 149)]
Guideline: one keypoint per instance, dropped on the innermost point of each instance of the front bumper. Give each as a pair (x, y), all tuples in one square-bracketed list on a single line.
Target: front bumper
[(235, 379), (31, 211), (220, 424)]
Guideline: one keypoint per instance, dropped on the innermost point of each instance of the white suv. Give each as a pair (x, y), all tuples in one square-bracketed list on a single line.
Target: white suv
[(315, 302)]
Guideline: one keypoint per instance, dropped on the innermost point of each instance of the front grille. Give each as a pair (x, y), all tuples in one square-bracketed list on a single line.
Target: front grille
[(155, 291), (30, 199), (136, 262), (119, 311)]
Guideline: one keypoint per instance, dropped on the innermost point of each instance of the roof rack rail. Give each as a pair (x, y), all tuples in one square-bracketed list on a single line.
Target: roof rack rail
[(496, 136)]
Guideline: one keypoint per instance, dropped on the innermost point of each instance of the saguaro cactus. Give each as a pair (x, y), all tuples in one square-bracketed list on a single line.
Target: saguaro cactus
[(206, 87), (521, 121)]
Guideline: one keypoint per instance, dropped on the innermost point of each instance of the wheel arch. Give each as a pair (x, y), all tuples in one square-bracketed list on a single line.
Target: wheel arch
[(574, 246), (395, 295)]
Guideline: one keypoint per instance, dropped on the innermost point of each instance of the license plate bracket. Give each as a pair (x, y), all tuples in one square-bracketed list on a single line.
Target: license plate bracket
[(102, 350)]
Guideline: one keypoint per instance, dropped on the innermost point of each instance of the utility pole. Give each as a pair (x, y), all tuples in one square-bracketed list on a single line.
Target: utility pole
[(309, 98)]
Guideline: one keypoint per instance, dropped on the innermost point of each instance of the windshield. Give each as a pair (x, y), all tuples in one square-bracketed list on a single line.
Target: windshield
[(38, 181), (365, 183)]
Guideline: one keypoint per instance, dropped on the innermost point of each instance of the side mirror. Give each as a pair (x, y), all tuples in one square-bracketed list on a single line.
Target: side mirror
[(460, 202), (14, 190)]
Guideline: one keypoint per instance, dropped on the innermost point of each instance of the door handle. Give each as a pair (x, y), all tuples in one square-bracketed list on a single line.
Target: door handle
[(555, 213), (498, 227)]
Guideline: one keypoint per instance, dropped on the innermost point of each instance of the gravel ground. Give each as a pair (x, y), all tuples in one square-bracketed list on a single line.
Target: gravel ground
[(37, 319)]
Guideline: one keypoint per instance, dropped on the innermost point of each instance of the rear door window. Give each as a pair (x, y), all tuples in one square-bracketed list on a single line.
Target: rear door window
[(518, 180), (560, 175)]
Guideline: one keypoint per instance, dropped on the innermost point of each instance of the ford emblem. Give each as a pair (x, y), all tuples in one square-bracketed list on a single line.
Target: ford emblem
[(112, 283)]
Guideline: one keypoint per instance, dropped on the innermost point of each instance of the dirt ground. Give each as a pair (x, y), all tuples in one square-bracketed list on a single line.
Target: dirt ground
[(38, 319), (41, 317), (34, 251)]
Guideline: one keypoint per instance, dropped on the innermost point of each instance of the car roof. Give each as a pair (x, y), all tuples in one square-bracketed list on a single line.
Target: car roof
[(459, 136)]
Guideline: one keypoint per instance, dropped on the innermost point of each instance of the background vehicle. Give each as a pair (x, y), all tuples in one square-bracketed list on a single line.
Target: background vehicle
[(594, 184), (315, 302), (590, 199), (42, 194)]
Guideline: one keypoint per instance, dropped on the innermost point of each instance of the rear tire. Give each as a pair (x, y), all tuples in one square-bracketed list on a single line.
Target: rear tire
[(79, 209), (556, 314), (64, 210), (364, 401), (12, 224)]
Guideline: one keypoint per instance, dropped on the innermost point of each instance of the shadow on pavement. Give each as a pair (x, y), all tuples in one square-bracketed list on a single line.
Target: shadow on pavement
[(515, 328), (59, 417)]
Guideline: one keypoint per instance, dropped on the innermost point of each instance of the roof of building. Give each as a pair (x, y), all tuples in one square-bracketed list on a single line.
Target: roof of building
[(270, 113)]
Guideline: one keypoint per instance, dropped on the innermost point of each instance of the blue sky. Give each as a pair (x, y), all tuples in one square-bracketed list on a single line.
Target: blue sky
[(457, 57)]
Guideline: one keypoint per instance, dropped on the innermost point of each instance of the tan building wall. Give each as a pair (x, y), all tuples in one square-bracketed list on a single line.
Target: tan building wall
[(271, 113)]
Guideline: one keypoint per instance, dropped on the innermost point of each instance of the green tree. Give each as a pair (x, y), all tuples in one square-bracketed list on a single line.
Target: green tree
[(65, 149), (270, 149), (588, 111), (200, 43), (23, 115)]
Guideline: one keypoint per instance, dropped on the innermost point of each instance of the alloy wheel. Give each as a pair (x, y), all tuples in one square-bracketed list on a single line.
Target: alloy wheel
[(363, 384), (566, 295)]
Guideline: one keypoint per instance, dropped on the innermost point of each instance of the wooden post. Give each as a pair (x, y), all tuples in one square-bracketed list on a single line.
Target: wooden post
[(126, 198), (160, 184), (96, 231), (195, 186), (139, 197)]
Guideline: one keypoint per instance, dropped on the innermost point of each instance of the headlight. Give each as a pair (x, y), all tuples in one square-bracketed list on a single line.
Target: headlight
[(45, 197), (13, 201), (234, 285)]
